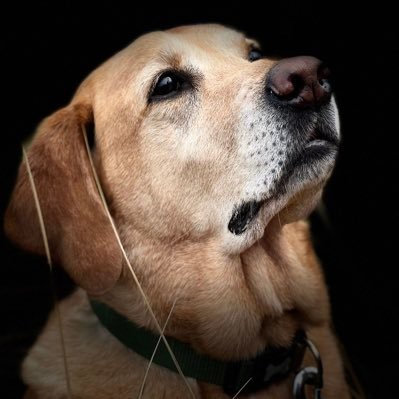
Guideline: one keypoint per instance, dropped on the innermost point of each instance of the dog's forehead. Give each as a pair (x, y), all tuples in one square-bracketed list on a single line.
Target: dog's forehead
[(206, 48), (191, 42), (209, 36)]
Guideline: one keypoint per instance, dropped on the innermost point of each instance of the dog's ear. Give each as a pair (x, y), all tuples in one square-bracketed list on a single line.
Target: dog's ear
[(79, 233)]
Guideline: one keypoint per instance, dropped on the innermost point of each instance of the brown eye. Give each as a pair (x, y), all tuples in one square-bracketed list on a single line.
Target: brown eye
[(255, 55), (167, 85)]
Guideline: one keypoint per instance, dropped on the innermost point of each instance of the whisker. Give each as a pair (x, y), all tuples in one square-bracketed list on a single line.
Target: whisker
[(234, 397), (279, 220), (146, 301), (153, 353), (50, 263)]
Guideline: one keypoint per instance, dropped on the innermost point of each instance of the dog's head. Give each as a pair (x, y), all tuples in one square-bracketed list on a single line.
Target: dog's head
[(199, 141), (210, 139)]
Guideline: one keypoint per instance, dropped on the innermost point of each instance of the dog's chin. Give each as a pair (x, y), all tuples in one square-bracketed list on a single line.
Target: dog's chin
[(274, 216), (300, 207), (295, 195), (264, 212)]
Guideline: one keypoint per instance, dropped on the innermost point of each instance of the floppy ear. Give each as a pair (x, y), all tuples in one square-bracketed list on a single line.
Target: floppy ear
[(79, 232)]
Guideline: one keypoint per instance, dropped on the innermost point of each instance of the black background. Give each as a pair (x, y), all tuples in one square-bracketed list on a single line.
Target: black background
[(49, 48)]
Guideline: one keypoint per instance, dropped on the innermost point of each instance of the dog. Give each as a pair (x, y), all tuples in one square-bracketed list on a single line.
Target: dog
[(210, 157)]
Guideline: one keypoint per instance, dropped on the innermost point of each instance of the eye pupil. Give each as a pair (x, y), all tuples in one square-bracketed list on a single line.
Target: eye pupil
[(167, 84), (255, 55)]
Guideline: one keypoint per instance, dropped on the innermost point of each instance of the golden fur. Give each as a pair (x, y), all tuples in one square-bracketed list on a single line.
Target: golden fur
[(167, 171)]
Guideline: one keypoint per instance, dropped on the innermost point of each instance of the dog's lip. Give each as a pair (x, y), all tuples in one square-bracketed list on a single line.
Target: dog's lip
[(318, 144), (319, 136), (243, 216), (316, 149)]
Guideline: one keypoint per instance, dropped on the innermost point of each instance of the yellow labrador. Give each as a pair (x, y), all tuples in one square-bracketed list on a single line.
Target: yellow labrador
[(210, 157)]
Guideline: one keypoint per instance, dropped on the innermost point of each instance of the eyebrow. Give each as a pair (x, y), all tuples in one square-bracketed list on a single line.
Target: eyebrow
[(173, 61), (252, 43), (171, 58)]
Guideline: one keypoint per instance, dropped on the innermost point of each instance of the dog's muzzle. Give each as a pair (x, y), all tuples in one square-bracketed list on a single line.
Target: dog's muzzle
[(297, 99)]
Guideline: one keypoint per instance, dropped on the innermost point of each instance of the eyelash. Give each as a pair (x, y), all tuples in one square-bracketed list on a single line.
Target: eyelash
[(178, 80), (258, 55)]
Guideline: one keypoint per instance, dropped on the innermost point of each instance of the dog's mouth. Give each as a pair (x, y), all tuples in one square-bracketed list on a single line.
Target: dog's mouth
[(243, 216), (320, 136), (319, 147)]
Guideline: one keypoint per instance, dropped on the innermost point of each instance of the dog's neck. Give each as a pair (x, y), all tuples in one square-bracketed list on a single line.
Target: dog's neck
[(229, 307)]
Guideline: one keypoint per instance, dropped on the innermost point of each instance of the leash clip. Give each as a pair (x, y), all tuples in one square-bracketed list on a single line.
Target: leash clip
[(312, 376)]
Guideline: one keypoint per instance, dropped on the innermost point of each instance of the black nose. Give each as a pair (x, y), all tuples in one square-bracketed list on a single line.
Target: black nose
[(302, 82)]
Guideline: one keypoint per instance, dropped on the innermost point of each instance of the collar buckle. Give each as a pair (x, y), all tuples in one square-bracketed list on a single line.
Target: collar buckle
[(270, 366), (311, 376)]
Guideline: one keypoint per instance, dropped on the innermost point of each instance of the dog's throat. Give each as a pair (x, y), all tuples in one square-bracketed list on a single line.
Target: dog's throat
[(272, 365), (243, 215)]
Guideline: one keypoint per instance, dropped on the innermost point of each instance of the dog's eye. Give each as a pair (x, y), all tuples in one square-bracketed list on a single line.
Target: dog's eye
[(255, 55), (167, 85)]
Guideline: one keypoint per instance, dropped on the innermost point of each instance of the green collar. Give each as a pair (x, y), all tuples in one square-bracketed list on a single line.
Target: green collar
[(269, 366)]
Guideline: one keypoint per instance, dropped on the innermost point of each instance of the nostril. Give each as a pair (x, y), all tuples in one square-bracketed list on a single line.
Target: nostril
[(325, 84), (323, 75), (298, 85), (287, 88)]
